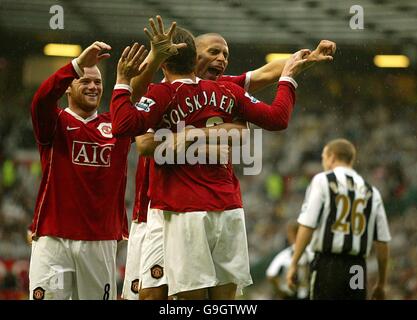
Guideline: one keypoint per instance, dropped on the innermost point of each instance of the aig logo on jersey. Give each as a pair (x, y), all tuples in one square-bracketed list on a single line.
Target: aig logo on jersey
[(105, 129), (91, 154), (144, 104)]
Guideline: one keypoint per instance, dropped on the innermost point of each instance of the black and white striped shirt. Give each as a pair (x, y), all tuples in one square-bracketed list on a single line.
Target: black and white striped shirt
[(347, 213), (279, 268)]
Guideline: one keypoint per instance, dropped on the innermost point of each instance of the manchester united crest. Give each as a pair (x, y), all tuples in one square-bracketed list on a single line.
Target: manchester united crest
[(157, 271), (135, 286), (38, 293), (105, 129)]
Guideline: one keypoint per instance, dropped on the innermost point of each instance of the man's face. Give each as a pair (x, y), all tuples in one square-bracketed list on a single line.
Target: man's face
[(327, 159), (86, 92), (212, 55)]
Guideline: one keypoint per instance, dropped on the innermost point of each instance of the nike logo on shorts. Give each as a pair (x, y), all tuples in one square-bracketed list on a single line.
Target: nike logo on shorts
[(72, 128)]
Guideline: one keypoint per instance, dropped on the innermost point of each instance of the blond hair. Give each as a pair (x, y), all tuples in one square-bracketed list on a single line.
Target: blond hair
[(343, 150)]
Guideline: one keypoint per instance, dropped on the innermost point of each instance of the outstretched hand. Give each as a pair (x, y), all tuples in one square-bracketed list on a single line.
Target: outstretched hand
[(93, 54), (161, 42), (324, 52), (130, 63), (296, 63)]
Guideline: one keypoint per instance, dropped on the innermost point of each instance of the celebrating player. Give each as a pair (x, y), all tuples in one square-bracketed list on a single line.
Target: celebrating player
[(185, 191), (212, 60), (80, 213)]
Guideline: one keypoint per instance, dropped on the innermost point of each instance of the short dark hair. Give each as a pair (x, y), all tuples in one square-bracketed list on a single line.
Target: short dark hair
[(203, 36), (184, 62), (343, 150)]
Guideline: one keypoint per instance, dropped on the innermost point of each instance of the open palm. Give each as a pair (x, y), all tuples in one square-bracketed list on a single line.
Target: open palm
[(161, 42)]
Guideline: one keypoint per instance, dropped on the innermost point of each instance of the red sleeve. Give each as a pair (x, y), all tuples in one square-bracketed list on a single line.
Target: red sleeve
[(242, 81), (130, 119), (45, 103), (270, 117)]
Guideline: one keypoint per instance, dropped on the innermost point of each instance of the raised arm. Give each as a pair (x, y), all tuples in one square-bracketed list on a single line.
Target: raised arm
[(272, 71), (161, 48), (277, 116), (130, 119), (135, 120), (44, 108), (126, 119)]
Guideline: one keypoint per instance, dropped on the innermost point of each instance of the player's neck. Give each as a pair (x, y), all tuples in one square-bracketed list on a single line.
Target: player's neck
[(341, 164), (80, 112), (172, 77)]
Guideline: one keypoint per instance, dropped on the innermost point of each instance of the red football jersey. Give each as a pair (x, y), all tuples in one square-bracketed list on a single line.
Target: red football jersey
[(242, 80), (140, 209), (184, 188), (84, 169)]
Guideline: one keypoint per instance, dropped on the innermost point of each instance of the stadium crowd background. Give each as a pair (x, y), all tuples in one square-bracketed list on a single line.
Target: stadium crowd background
[(375, 108)]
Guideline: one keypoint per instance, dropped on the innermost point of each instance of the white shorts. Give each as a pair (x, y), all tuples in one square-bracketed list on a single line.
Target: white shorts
[(205, 249), (62, 269), (134, 253), (152, 264)]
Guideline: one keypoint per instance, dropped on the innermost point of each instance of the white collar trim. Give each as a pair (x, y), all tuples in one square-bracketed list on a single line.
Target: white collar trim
[(76, 116), (188, 81), (344, 168)]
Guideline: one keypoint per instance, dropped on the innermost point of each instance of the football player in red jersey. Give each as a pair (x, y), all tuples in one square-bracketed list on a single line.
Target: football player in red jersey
[(80, 212), (156, 287), (212, 242), (212, 60), (149, 250)]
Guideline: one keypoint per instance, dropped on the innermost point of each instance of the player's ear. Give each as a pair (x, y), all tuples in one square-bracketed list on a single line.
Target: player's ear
[(164, 69), (68, 91), (332, 157)]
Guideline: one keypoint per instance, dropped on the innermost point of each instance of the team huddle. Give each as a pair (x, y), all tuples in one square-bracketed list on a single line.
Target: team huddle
[(188, 236)]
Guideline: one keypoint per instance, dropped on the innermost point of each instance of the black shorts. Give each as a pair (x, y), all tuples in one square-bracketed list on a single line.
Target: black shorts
[(337, 277)]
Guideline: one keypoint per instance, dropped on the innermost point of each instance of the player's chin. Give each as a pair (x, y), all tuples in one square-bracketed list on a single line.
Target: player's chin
[(92, 104)]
